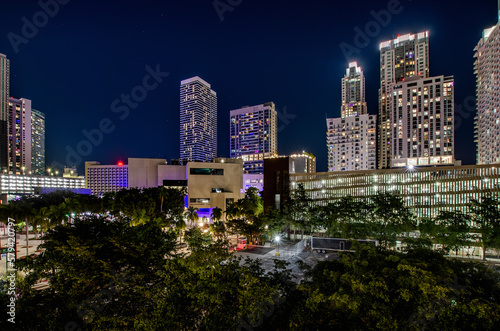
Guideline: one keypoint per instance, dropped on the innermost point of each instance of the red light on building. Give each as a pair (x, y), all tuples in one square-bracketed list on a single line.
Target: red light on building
[(120, 163)]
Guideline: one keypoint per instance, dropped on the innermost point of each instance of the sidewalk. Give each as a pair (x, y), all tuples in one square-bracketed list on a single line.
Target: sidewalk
[(21, 249)]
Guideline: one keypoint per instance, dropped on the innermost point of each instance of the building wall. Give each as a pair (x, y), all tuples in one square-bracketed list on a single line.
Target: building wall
[(171, 173), (19, 135), (351, 143), (143, 173), (37, 142), (426, 190), (253, 180), (206, 178), (12, 185), (401, 58), (487, 120), (422, 122), (254, 135), (198, 120), (101, 179), (302, 163), (276, 182), (4, 106)]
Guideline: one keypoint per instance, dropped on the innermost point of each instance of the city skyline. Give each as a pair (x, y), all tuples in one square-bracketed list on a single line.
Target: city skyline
[(304, 113)]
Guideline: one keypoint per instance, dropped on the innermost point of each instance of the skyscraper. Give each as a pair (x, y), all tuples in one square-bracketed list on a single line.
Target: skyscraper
[(353, 92), (198, 121), (254, 136), (487, 120), (350, 139), (401, 58), (19, 130), (422, 116), (4, 100), (37, 142)]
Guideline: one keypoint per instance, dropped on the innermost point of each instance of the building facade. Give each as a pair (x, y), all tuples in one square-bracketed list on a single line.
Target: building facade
[(19, 136), (4, 107), (487, 120), (101, 179), (198, 121), (351, 139), (401, 58), (254, 136), (12, 185), (37, 142), (422, 121), (426, 190), (353, 92)]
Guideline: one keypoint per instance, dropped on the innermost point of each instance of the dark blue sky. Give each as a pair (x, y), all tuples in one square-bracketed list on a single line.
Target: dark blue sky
[(91, 52)]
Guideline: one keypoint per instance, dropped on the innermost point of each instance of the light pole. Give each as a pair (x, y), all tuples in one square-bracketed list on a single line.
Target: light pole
[(277, 239)]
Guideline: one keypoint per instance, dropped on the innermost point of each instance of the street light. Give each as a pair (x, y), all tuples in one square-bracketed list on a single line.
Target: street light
[(277, 239)]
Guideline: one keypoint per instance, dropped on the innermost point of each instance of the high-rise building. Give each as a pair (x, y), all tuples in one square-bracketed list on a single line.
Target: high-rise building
[(4, 108), (19, 136), (351, 139), (487, 120), (422, 115), (198, 121), (37, 142), (401, 58), (353, 92), (254, 136)]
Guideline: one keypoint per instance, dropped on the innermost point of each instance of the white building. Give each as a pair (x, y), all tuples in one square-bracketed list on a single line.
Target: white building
[(198, 120), (101, 179), (351, 139), (4, 105), (422, 116), (15, 185), (254, 136), (37, 142), (401, 58), (487, 121)]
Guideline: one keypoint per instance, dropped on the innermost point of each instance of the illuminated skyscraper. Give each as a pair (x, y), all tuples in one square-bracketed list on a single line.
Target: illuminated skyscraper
[(353, 92), (422, 116), (487, 121), (350, 139), (254, 136), (4, 105), (37, 142), (19, 130), (401, 58), (198, 121)]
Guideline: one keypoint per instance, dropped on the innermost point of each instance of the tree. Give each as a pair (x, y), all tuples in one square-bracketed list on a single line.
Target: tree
[(486, 217), (192, 215), (391, 218), (454, 230)]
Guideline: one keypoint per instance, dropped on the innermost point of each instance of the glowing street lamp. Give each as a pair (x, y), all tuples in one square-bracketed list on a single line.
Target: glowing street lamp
[(277, 239)]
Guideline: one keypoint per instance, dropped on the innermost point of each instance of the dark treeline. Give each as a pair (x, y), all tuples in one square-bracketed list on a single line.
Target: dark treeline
[(115, 263)]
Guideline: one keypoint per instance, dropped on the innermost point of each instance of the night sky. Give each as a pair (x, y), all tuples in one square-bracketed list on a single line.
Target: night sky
[(91, 52)]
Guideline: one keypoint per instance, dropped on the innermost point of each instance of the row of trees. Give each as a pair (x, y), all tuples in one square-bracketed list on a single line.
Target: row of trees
[(108, 275)]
